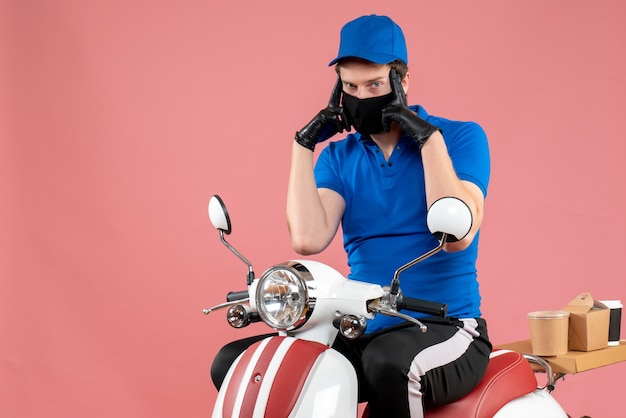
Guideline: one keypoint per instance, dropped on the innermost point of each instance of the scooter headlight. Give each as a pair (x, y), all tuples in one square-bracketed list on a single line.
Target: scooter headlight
[(283, 296)]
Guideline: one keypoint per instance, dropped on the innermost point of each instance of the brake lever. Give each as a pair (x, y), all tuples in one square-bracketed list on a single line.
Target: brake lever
[(375, 307), (224, 305)]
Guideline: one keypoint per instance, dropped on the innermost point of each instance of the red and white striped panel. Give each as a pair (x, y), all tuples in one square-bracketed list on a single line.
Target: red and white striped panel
[(269, 377)]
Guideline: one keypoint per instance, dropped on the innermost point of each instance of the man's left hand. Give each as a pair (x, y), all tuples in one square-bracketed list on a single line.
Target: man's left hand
[(397, 111)]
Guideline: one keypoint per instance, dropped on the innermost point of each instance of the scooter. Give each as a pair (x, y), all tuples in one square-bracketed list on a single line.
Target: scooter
[(297, 373)]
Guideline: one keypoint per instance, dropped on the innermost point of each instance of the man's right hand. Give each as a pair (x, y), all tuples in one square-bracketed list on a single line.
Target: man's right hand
[(326, 123)]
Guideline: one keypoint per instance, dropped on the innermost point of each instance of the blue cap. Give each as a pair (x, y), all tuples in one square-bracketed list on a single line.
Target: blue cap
[(373, 38)]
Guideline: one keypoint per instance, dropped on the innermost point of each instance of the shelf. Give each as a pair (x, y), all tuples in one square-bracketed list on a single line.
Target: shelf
[(574, 361)]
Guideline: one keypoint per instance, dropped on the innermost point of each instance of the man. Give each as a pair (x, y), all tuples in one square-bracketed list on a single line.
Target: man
[(377, 183)]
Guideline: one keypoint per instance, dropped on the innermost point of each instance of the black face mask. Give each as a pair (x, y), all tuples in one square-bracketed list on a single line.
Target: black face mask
[(366, 115)]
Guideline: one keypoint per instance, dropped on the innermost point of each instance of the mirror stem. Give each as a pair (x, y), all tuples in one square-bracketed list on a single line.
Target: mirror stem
[(395, 283), (250, 278)]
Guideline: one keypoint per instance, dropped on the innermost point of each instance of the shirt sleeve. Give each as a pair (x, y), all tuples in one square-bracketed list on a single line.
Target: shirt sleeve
[(469, 151), (326, 170)]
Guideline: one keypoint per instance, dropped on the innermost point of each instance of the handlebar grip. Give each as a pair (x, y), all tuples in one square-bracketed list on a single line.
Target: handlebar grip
[(423, 306), (234, 296)]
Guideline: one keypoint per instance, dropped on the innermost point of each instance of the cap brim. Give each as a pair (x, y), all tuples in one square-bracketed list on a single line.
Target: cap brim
[(375, 58)]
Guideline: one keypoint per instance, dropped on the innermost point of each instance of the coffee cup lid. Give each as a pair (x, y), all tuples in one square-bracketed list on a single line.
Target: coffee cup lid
[(548, 314)]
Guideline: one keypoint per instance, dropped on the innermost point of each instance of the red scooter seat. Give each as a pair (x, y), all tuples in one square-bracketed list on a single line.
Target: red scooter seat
[(508, 376)]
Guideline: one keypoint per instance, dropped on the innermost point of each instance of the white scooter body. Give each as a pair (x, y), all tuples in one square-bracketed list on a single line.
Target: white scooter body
[(298, 375), (328, 385), (539, 404), (329, 388)]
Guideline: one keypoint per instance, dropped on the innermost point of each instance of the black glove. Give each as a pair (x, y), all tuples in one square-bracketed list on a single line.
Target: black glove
[(397, 111), (326, 123)]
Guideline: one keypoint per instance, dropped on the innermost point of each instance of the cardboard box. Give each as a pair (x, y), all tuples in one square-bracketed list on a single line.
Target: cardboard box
[(588, 323), (573, 361)]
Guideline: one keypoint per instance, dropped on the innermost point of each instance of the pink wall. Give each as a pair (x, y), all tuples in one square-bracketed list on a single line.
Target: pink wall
[(119, 118)]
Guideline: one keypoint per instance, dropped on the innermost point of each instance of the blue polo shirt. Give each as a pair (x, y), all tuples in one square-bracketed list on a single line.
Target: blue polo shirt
[(384, 223)]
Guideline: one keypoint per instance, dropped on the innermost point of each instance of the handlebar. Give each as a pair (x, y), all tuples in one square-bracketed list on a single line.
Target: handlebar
[(423, 306), (235, 296)]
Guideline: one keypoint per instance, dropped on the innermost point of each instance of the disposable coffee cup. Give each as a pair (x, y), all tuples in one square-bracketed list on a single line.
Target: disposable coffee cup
[(548, 332), (615, 321)]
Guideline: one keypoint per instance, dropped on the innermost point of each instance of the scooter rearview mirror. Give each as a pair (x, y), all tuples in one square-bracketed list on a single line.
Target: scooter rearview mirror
[(450, 216), (448, 219), (221, 221), (219, 215)]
